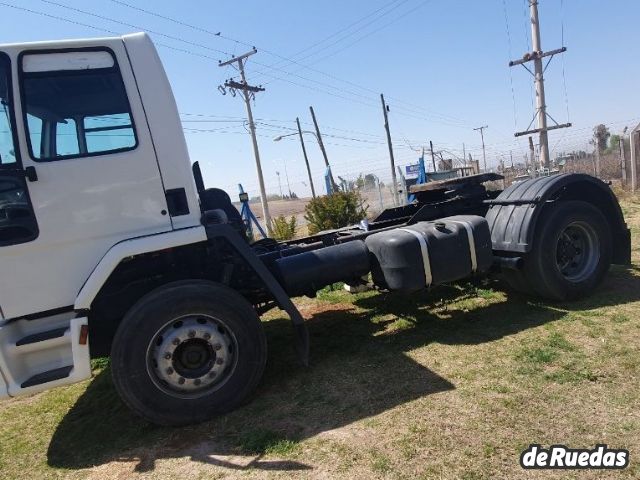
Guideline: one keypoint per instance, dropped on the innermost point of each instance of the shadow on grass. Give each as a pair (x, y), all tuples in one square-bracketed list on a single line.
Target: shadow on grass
[(358, 369)]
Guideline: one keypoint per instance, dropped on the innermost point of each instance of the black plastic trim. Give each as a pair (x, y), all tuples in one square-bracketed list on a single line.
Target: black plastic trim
[(47, 313), (177, 202), (48, 376), (42, 336)]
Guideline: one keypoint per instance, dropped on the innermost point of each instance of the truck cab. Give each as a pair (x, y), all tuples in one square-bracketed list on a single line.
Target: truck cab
[(91, 155)]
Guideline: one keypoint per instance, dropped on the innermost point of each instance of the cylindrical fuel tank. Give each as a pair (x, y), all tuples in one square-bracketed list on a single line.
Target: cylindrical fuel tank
[(308, 272), (417, 256)]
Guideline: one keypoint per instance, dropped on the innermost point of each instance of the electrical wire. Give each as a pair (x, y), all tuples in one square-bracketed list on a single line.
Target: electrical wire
[(564, 77), (296, 62), (172, 37), (513, 94)]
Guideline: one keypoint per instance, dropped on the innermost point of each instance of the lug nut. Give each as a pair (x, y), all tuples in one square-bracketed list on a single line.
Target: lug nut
[(217, 346), (197, 381), (168, 355), (176, 341), (192, 333), (169, 370), (181, 380), (220, 361), (212, 374), (207, 336)]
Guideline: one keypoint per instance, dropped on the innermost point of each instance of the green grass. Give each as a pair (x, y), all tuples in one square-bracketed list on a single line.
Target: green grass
[(267, 442), (450, 384)]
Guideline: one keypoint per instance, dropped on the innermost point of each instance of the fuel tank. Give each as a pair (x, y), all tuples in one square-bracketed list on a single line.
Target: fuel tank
[(417, 256)]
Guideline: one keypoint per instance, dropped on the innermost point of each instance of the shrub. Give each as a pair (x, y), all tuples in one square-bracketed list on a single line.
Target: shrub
[(337, 210), (283, 229)]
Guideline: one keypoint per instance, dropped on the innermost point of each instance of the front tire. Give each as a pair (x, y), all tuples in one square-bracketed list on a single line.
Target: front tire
[(188, 351), (571, 253)]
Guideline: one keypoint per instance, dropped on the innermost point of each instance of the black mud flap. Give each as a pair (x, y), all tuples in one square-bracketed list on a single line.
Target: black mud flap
[(300, 331)]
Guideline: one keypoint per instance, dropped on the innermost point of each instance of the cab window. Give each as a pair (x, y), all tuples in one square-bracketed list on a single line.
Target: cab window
[(76, 105)]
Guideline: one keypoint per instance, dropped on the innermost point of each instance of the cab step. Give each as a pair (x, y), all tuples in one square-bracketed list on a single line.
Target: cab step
[(48, 376), (42, 336)]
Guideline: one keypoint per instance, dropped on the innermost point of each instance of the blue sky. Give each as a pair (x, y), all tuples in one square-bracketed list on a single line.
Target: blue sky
[(442, 66)]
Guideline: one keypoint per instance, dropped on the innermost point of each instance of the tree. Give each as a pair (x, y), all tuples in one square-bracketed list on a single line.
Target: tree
[(283, 228), (334, 211), (614, 144), (601, 135), (369, 180), (366, 180)]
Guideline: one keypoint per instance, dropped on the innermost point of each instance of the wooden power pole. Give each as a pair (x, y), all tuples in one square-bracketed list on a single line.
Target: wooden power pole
[(334, 185), (306, 159), (433, 156), (532, 155), (394, 179), (247, 92), (484, 153)]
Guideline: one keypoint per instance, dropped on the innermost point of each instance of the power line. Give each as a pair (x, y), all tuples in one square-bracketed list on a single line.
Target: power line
[(329, 37), (394, 7), (291, 60), (172, 37), (136, 27)]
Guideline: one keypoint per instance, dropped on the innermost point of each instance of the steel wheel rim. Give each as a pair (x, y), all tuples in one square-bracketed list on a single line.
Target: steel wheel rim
[(577, 251), (192, 356)]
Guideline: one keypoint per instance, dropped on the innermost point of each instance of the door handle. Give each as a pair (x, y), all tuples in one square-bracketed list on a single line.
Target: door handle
[(30, 174)]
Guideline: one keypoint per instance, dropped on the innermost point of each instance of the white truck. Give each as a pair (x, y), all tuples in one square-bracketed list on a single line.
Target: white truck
[(111, 245)]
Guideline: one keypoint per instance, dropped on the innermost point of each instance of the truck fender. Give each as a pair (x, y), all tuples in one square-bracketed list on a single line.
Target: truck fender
[(513, 216), (226, 232), (129, 248)]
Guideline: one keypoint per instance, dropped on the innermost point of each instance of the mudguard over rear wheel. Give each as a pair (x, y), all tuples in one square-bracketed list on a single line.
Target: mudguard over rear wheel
[(188, 351), (571, 253)]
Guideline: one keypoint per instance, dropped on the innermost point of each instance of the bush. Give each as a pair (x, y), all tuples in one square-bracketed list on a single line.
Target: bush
[(283, 229), (337, 210)]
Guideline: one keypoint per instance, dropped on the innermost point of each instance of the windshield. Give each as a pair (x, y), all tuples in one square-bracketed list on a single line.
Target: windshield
[(7, 152)]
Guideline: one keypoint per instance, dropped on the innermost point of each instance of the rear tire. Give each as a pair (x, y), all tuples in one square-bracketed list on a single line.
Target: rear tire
[(571, 253), (188, 351)]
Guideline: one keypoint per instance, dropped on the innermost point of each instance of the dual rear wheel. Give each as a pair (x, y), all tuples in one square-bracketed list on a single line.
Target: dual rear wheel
[(571, 253)]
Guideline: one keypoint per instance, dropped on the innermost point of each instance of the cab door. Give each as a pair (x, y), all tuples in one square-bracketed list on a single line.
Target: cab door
[(88, 169), (17, 221)]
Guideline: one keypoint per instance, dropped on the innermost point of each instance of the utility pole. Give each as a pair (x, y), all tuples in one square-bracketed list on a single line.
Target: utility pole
[(433, 156), (334, 185), (464, 157), (532, 155), (536, 57), (279, 184), (248, 91), (633, 141), (286, 175), (623, 157), (484, 153), (306, 159), (394, 180)]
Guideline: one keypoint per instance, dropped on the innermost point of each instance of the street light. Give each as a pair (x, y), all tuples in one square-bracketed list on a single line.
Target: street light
[(277, 139), (304, 151)]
